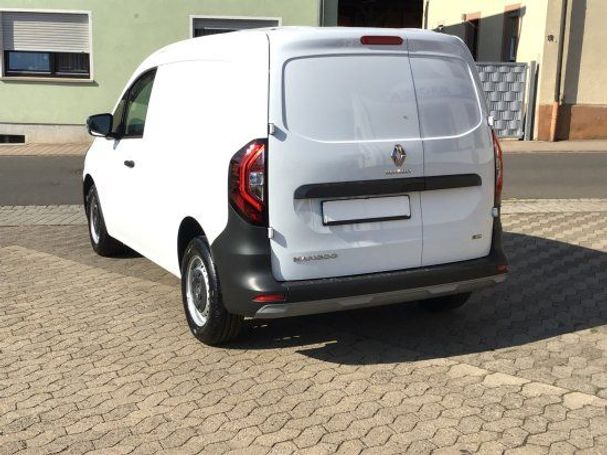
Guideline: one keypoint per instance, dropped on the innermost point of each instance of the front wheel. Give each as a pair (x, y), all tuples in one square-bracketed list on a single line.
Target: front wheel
[(207, 318), (102, 242), (444, 303)]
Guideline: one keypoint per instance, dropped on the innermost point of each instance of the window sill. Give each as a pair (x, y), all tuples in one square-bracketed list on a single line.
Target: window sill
[(60, 80)]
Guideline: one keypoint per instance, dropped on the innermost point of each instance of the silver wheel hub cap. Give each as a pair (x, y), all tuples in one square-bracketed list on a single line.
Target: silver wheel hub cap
[(197, 291), (94, 220)]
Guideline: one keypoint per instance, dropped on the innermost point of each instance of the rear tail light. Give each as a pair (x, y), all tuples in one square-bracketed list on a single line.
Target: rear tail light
[(382, 40), (247, 181), (499, 169)]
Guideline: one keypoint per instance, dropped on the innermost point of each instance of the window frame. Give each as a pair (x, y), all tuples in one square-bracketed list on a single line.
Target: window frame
[(511, 35), (193, 17), (472, 29), (512, 23), (120, 134), (49, 78), (52, 73), (472, 32)]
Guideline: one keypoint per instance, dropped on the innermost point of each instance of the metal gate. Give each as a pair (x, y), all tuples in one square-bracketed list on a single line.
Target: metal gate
[(504, 84)]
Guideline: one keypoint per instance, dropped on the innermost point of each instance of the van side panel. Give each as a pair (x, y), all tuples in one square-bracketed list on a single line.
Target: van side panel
[(201, 113)]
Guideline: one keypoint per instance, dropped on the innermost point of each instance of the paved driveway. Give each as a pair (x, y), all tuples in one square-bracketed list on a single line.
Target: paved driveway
[(95, 355)]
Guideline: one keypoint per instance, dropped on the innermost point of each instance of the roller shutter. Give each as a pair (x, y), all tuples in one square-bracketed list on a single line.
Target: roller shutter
[(51, 32)]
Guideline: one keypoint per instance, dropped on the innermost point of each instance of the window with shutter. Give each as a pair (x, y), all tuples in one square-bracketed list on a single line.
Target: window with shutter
[(36, 44)]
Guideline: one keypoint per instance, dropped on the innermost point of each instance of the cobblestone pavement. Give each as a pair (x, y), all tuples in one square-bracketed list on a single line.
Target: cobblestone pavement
[(95, 356), (43, 149), (20, 215)]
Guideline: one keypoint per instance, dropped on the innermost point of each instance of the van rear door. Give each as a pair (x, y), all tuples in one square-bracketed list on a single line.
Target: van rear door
[(457, 218), (345, 159)]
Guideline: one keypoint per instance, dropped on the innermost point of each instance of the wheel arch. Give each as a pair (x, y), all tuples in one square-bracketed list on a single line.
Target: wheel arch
[(188, 229)]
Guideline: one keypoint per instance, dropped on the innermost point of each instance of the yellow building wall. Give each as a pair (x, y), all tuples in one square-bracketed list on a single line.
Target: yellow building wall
[(452, 14), (585, 53), (582, 113)]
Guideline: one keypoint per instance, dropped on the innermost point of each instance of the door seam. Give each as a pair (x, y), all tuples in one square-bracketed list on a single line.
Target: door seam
[(421, 140)]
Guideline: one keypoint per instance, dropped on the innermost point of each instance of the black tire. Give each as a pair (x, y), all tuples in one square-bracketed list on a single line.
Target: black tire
[(102, 242), (205, 313), (445, 303)]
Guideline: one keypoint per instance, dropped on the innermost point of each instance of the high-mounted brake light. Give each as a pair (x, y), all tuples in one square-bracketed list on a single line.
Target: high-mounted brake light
[(499, 169), (247, 181), (382, 40)]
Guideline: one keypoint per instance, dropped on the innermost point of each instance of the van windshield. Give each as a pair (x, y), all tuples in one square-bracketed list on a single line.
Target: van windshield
[(372, 97), (341, 98)]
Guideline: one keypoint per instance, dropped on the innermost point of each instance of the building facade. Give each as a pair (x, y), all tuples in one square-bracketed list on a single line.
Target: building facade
[(62, 60), (564, 37), (65, 59)]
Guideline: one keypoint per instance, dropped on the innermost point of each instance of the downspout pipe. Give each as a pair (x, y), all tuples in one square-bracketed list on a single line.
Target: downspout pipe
[(321, 13), (556, 103)]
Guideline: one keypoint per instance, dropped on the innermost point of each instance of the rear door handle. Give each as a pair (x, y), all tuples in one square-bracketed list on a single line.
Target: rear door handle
[(129, 163)]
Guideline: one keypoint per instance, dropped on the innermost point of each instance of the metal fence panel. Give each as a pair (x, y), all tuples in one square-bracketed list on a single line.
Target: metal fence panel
[(504, 84)]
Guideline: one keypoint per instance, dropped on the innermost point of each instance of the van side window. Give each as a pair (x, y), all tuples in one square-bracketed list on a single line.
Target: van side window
[(135, 106), (118, 116)]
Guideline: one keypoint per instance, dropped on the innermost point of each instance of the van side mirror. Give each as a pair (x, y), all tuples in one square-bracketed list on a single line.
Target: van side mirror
[(100, 125)]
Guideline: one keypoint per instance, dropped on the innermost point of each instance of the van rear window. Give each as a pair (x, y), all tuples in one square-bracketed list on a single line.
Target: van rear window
[(341, 98), (369, 97), (448, 104)]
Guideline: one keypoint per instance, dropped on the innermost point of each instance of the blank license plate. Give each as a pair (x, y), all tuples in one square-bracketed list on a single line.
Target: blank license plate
[(365, 210)]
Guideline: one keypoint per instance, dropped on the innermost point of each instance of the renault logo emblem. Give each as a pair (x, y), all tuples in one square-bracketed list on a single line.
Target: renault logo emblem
[(399, 155)]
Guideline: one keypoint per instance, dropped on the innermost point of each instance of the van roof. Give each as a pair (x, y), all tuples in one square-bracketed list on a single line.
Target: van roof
[(244, 44)]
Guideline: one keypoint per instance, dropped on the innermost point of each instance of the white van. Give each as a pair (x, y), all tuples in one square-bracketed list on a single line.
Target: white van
[(292, 171)]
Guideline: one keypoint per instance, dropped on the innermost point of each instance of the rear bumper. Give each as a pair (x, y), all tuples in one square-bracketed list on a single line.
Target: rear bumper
[(282, 310), (243, 259)]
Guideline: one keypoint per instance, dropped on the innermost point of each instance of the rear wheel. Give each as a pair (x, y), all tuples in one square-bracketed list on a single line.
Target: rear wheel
[(207, 318), (445, 303), (103, 243)]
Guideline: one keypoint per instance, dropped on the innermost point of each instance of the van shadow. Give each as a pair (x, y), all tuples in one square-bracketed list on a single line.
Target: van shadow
[(553, 288)]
